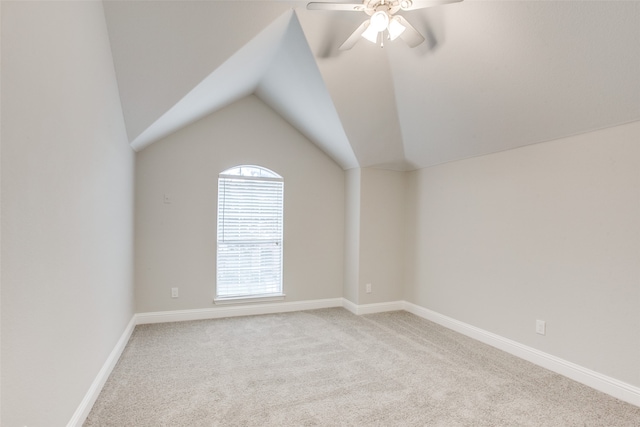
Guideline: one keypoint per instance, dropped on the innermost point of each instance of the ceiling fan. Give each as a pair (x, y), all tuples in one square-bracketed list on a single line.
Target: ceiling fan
[(382, 19)]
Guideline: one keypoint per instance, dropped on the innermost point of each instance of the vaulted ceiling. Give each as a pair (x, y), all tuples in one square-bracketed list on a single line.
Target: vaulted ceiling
[(490, 76)]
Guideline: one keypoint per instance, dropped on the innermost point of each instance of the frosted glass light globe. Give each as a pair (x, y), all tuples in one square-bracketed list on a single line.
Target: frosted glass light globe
[(379, 20)]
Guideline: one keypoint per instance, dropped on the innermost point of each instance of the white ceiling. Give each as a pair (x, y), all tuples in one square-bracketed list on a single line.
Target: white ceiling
[(491, 75)]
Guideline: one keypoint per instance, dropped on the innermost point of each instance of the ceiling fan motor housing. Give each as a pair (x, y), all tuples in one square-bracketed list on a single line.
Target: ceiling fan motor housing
[(373, 6)]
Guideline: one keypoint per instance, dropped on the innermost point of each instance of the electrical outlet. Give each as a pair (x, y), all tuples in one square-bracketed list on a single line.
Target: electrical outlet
[(368, 288), (541, 327), (167, 199), (174, 292)]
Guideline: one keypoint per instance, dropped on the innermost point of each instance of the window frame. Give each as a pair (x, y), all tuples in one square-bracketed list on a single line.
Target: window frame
[(257, 174)]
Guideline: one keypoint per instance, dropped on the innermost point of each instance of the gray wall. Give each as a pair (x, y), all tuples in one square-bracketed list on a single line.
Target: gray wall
[(67, 209), (176, 242), (351, 280), (551, 232), (375, 235), (382, 235)]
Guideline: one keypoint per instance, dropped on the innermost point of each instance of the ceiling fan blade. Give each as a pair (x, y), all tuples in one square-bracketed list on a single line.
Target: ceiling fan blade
[(410, 35), (355, 36), (421, 4), (352, 7)]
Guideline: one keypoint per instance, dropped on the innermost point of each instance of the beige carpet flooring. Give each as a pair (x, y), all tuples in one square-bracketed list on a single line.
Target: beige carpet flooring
[(331, 368)]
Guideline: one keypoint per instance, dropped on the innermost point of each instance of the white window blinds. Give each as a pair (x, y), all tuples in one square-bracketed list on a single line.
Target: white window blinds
[(250, 208)]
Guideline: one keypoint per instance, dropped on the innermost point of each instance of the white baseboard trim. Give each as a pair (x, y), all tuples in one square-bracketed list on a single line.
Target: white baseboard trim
[(351, 306), (92, 394), (372, 308), (595, 380), (237, 310)]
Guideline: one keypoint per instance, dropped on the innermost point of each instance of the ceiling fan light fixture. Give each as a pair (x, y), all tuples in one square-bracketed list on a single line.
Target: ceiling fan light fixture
[(395, 28), (378, 22), (371, 34), (382, 19)]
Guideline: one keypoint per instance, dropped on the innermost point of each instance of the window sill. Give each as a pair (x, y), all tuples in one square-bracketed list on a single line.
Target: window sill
[(249, 299)]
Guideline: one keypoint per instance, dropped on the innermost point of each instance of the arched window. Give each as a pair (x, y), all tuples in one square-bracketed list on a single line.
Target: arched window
[(250, 230)]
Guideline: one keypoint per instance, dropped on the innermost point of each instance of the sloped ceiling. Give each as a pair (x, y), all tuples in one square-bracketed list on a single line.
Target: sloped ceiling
[(491, 75)]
